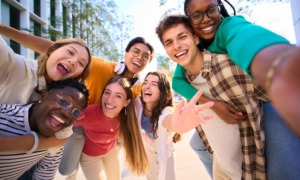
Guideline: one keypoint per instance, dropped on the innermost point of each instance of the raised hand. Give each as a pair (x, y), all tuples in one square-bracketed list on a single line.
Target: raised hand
[(187, 116)]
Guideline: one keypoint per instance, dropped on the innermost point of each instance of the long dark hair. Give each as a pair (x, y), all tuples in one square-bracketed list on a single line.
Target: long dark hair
[(166, 99)]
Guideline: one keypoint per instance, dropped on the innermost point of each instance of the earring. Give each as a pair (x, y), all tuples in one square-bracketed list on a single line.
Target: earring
[(125, 111)]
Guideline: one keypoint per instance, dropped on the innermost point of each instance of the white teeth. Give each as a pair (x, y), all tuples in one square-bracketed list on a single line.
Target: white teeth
[(208, 28), (181, 53), (108, 106), (58, 119), (136, 63), (65, 67), (148, 93)]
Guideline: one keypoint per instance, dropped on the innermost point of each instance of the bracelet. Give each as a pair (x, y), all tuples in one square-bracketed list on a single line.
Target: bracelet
[(36, 142), (271, 71)]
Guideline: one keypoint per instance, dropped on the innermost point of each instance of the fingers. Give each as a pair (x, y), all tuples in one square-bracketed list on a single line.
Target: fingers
[(233, 110), (195, 97), (204, 106)]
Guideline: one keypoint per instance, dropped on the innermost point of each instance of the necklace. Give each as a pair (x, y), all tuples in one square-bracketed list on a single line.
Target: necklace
[(110, 124)]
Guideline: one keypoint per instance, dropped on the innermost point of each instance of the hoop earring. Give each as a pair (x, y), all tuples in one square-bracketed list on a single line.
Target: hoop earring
[(120, 68)]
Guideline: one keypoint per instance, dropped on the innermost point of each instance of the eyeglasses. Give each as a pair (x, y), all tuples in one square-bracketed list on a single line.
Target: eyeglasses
[(67, 106), (212, 12), (137, 52)]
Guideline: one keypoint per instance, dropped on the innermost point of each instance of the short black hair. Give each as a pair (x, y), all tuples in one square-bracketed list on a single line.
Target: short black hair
[(70, 83), (140, 40)]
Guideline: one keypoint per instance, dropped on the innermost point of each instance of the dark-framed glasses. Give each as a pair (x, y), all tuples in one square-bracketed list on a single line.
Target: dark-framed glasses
[(77, 114), (136, 52), (212, 12)]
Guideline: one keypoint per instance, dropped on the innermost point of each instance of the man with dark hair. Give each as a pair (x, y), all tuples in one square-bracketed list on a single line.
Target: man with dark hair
[(61, 104)]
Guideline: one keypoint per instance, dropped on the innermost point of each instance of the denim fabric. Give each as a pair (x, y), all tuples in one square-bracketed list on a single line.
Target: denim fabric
[(282, 147), (205, 157)]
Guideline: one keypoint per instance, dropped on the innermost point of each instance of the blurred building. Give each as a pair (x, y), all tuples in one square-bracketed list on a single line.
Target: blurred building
[(52, 19)]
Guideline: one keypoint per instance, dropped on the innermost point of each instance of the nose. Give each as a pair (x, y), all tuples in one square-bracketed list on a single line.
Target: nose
[(177, 45), (72, 61)]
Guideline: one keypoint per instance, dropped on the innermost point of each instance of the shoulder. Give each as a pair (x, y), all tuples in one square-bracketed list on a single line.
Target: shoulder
[(101, 62)]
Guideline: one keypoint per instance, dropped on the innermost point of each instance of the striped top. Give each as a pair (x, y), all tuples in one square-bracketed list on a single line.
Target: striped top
[(14, 122)]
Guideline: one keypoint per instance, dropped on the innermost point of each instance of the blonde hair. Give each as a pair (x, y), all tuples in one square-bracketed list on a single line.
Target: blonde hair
[(58, 44), (130, 136)]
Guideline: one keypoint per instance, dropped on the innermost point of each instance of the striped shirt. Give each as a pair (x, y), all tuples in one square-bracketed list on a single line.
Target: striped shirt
[(14, 121)]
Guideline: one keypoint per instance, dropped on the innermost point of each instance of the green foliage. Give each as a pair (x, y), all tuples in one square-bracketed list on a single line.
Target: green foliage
[(95, 21), (164, 63)]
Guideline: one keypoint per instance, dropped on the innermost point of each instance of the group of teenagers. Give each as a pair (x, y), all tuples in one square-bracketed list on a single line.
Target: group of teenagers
[(69, 108)]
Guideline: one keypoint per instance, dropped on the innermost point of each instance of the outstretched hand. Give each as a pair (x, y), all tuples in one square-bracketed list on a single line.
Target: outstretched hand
[(187, 116)]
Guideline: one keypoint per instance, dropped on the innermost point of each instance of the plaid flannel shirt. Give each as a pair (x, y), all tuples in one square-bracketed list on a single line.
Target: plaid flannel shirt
[(230, 84)]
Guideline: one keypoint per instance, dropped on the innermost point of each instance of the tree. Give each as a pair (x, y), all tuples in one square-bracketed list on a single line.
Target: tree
[(94, 21), (164, 63)]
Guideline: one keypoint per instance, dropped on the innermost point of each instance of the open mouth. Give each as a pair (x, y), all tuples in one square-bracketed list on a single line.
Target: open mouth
[(136, 63), (178, 55), (56, 122), (63, 69)]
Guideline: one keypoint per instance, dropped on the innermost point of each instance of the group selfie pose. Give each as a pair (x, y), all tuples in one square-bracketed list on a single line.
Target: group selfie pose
[(68, 109)]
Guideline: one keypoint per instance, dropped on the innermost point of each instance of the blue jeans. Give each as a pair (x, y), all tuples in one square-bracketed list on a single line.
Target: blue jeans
[(206, 158), (282, 147)]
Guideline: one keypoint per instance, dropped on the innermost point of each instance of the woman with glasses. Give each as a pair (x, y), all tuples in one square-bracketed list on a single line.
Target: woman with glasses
[(248, 44)]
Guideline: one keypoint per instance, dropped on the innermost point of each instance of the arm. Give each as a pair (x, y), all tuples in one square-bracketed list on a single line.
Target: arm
[(284, 90), (239, 39), (187, 117), (25, 143), (35, 43), (225, 111)]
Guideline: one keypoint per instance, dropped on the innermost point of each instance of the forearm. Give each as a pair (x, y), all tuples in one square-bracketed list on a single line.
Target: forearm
[(25, 143), (35, 43), (285, 84), (16, 143)]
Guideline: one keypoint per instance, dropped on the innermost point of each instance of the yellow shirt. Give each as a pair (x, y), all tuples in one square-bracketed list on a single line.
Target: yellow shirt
[(101, 72)]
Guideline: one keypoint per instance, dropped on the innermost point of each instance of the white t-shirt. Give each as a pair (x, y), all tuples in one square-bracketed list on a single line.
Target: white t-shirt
[(223, 138)]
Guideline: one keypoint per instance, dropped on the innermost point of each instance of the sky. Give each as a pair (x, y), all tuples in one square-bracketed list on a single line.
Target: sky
[(147, 13)]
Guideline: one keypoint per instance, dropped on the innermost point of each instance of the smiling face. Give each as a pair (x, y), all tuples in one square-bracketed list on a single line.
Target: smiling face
[(150, 90), (49, 117), (114, 99), (181, 45), (208, 26), (136, 64), (68, 61)]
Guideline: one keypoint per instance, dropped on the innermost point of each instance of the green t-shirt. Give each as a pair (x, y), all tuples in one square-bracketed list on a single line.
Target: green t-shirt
[(238, 38)]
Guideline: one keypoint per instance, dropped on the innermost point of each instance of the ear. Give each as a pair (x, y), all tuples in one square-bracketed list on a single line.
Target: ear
[(128, 101), (196, 38)]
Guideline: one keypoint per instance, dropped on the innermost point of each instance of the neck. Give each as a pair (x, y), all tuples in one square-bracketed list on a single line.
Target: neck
[(193, 69), (128, 75), (31, 117)]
